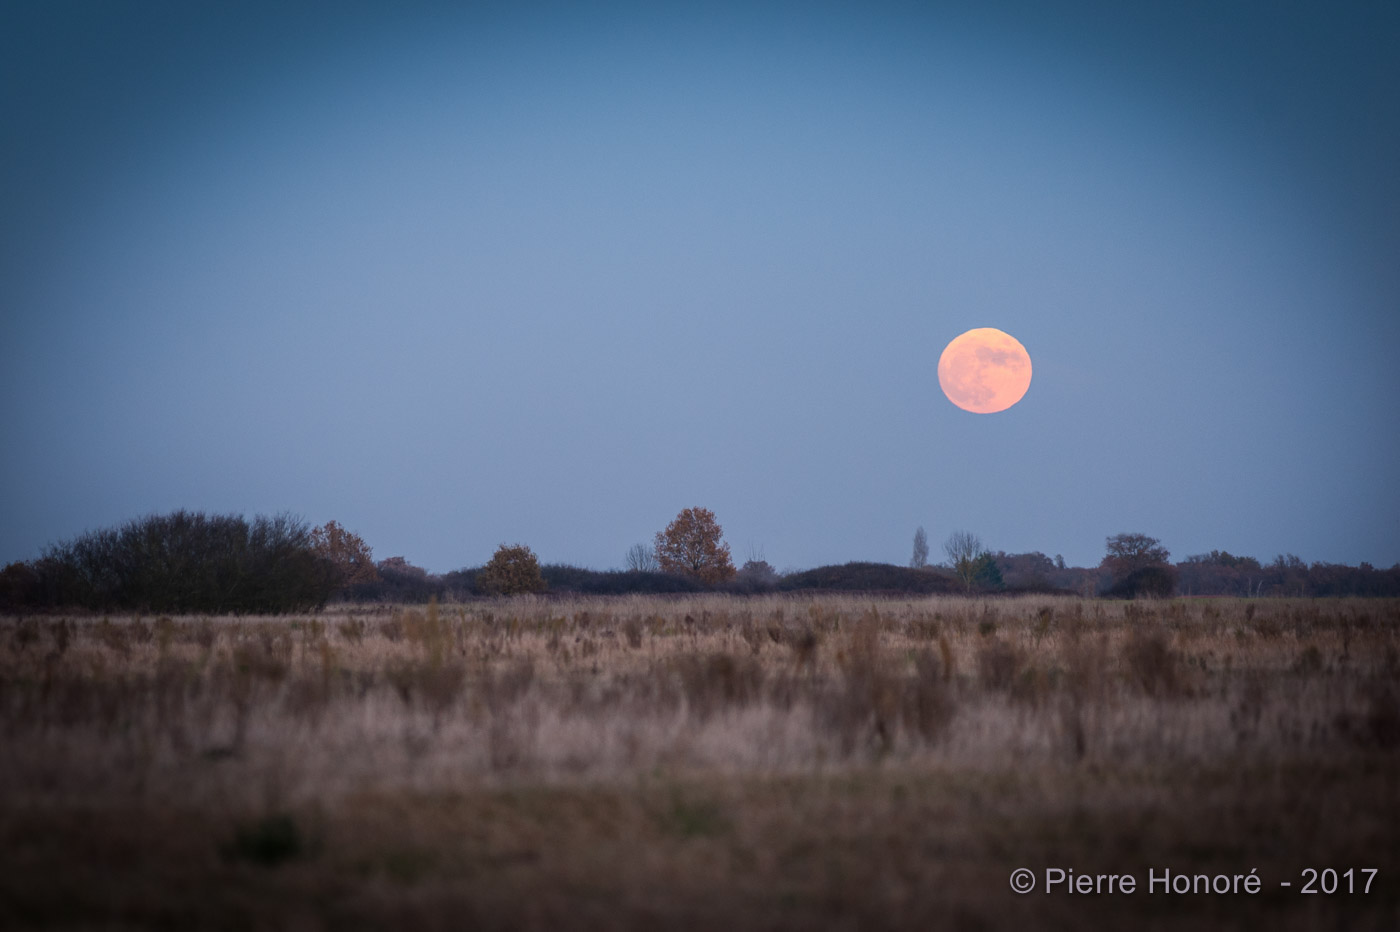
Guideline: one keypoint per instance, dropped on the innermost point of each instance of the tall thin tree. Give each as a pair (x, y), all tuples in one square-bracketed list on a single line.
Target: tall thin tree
[(920, 558)]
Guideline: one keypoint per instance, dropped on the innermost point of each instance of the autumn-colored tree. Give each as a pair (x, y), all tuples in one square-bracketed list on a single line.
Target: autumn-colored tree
[(512, 570), (690, 546), (349, 556)]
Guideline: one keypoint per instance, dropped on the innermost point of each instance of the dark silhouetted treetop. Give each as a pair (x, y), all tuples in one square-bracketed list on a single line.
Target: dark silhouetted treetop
[(1155, 581), (1127, 553), (985, 573), (869, 577)]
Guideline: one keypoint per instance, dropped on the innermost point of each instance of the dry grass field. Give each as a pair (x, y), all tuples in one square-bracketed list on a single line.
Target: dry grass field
[(709, 762)]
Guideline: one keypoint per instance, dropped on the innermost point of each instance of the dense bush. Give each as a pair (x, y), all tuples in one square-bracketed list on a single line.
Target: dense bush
[(984, 573), (180, 562), (513, 570), (20, 586), (754, 577), (400, 581), (1148, 581), (563, 578), (870, 577)]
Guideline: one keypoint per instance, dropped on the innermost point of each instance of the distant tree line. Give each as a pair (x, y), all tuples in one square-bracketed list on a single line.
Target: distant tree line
[(1220, 573), (1136, 565), (190, 562)]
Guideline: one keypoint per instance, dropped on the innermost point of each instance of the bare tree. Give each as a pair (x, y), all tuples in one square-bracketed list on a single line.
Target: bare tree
[(920, 558), (963, 548), (962, 545), (641, 559)]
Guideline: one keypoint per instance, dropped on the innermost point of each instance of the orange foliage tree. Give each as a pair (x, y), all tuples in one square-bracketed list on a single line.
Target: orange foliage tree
[(349, 556), (512, 570), (691, 546)]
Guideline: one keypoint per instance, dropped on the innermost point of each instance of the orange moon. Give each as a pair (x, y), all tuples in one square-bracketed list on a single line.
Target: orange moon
[(984, 371)]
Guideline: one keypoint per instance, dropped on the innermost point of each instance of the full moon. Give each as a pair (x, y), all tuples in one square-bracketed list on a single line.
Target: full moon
[(984, 371)]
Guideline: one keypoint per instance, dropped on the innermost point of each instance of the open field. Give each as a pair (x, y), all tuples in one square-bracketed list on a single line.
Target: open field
[(766, 762)]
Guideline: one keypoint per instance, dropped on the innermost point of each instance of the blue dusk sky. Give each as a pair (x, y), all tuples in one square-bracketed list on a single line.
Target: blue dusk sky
[(462, 274)]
